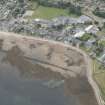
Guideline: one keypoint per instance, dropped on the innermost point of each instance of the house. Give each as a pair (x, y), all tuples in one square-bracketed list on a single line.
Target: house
[(79, 34), (90, 43), (68, 20), (92, 54), (43, 23), (28, 13), (89, 28), (102, 59), (61, 20), (76, 42), (84, 20), (92, 29), (73, 21), (77, 29), (43, 32), (81, 20)]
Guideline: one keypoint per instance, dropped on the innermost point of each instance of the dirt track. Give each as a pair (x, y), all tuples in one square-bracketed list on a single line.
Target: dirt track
[(72, 63)]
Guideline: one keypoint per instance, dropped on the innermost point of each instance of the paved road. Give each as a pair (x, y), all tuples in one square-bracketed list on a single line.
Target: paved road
[(95, 18)]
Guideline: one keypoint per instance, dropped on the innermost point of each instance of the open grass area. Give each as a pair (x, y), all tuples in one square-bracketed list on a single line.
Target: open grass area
[(87, 50), (99, 76), (86, 37), (97, 67), (48, 12), (102, 42), (100, 79)]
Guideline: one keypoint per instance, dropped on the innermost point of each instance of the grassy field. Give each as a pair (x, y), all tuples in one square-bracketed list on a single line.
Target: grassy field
[(87, 50), (48, 12), (99, 76), (100, 79)]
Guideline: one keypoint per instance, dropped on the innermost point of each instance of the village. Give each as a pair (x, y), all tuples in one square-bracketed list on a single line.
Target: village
[(80, 23), (68, 25), (81, 32)]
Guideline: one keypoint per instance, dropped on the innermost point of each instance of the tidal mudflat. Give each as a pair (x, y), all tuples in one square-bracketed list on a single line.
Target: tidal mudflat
[(16, 89), (37, 72)]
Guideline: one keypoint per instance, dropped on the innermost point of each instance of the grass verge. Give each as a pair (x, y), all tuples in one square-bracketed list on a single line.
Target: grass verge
[(99, 77)]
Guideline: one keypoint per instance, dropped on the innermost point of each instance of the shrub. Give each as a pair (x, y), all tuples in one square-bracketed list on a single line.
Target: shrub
[(74, 9), (99, 12), (85, 37)]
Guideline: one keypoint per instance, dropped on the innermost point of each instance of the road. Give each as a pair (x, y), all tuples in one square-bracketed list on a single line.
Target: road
[(95, 18)]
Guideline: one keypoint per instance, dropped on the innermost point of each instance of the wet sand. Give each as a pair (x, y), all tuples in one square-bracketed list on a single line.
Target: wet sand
[(38, 72)]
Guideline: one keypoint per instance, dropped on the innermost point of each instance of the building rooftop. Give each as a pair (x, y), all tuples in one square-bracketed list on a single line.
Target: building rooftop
[(79, 34)]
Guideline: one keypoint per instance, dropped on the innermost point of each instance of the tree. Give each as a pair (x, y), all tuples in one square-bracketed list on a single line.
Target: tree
[(74, 9), (76, 2), (99, 12)]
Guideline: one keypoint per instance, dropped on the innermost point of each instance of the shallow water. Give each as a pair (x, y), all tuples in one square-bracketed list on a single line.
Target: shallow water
[(26, 82), (17, 90)]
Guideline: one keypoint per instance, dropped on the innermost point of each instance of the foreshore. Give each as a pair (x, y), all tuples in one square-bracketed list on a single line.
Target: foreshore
[(15, 38)]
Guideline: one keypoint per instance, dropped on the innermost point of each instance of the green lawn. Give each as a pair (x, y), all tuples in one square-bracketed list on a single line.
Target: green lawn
[(102, 42), (100, 79), (86, 37), (48, 12), (87, 50), (97, 67)]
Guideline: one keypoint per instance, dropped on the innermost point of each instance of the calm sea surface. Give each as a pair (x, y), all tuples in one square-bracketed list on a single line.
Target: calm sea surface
[(17, 90)]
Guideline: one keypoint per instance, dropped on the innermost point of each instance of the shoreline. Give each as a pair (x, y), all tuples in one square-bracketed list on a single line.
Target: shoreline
[(86, 58)]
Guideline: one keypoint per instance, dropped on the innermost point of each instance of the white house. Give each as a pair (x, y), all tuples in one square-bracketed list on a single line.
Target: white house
[(92, 29), (79, 34), (88, 28)]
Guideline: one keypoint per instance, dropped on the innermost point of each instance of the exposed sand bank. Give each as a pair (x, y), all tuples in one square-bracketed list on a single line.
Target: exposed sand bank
[(72, 63)]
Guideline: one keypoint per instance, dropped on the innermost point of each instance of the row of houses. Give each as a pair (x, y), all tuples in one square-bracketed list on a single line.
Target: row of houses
[(91, 29), (63, 20), (56, 26), (68, 34)]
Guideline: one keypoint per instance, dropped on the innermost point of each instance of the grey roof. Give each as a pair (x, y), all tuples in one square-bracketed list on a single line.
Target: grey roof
[(60, 20), (90, 43), (84, 18), (73, 21), (69, 20), (92, 40)]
